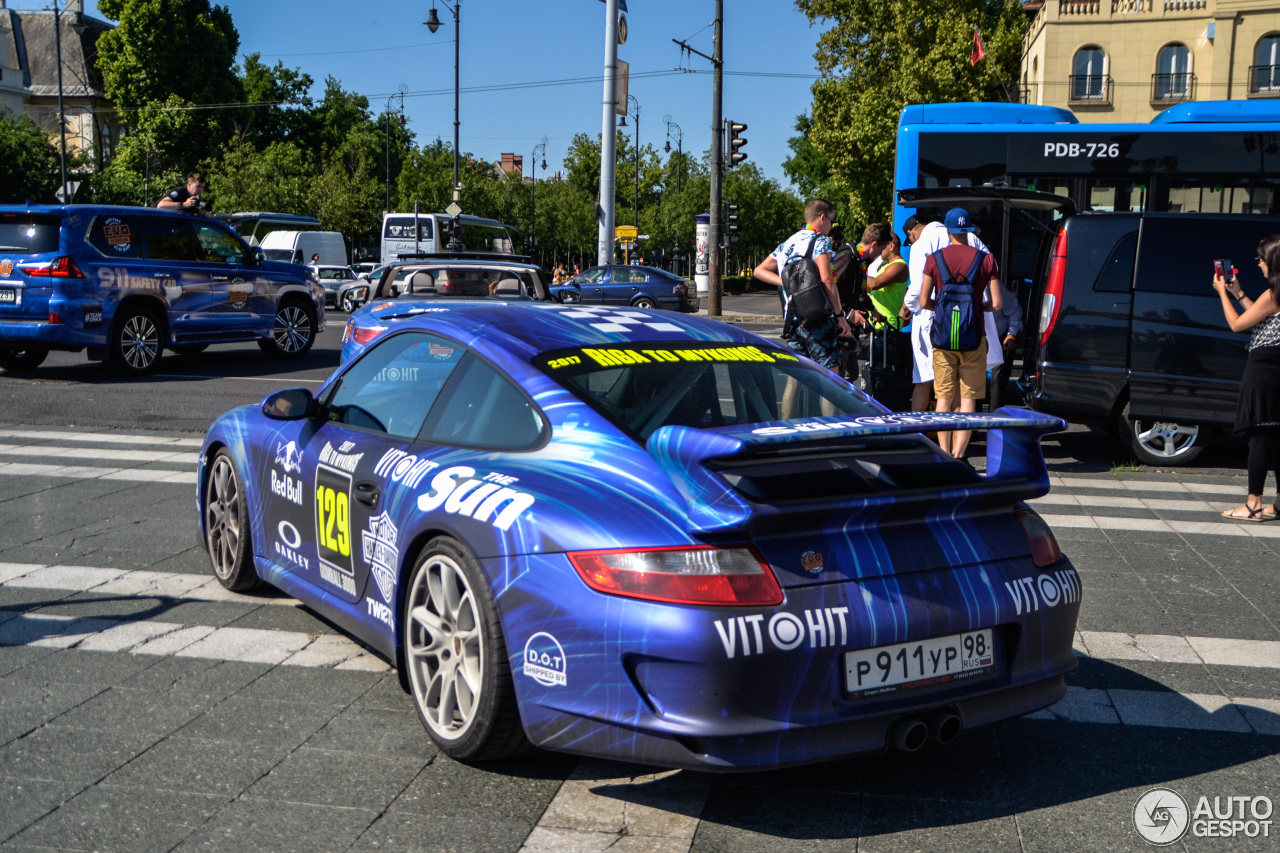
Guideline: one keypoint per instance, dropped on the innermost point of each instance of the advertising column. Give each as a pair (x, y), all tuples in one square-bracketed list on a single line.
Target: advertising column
[(702, 256)]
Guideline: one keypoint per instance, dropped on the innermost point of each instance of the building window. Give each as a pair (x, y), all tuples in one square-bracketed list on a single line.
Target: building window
[(1089, 81), (1264, 74), (1173, 80)]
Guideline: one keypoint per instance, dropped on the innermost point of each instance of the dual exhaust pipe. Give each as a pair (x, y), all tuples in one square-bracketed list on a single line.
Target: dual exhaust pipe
[(910, 733)]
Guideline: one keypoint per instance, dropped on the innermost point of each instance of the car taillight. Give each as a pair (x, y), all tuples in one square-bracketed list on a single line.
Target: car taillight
[(1044, 547), (363, 334), (63, 267), (1051, 304), (680, 575)]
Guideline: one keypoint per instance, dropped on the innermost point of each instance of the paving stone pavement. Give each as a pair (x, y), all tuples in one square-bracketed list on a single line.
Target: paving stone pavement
[(144, 708)]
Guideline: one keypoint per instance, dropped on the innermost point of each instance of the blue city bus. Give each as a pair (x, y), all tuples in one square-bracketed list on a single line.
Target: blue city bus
[(1200, 156)]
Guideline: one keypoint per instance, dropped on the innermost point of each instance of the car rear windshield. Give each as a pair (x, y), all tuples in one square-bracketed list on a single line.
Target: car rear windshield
[(644, 386), (26, 234)]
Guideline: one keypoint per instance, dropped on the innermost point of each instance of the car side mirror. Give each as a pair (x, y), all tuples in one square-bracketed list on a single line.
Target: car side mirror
[(259, 256), (291, 404)]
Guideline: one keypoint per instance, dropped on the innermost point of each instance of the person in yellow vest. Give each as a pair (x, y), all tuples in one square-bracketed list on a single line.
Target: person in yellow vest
[(887, 283)]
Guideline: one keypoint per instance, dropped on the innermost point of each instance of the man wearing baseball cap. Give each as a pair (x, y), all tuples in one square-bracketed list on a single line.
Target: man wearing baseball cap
[(923, 239)]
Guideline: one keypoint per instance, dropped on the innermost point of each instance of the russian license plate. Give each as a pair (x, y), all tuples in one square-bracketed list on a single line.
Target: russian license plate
[(8, 296), (906, 666)]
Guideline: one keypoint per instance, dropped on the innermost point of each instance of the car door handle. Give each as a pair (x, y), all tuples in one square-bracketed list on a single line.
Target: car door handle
[(221, 278), (367, 494), (162, 275)]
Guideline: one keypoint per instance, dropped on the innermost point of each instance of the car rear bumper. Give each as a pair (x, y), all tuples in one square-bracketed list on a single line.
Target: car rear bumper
[(15, 334), (732, 688)]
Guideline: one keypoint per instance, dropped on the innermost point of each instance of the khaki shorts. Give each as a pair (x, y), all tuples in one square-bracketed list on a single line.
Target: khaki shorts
[(970, 367)]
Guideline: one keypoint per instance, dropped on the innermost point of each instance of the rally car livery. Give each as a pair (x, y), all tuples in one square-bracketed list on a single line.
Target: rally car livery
[(649, 537)]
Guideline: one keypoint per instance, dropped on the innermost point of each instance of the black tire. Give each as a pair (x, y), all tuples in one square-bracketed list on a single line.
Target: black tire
[(22, 359), (644, 302), (226, 525), (459, 672), (137, 339), (347, 306), (188, 349), (294, 330), (1162, 442)]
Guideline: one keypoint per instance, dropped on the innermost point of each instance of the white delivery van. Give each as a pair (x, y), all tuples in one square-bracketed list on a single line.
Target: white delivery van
[(298, 247)]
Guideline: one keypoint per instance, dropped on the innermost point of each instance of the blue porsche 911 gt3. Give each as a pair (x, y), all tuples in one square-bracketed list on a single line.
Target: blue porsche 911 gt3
[(650, 537)]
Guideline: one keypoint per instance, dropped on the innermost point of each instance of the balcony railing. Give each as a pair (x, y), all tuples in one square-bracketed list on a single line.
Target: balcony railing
[(1089, 89), (1264, 79), (1173, 88), (1027, 93)]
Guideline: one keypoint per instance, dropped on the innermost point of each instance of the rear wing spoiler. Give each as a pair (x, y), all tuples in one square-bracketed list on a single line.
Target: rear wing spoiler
[(1014, 456)]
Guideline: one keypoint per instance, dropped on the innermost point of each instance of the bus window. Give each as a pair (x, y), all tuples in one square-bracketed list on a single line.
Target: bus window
[(1109, 196), (401, 228), (486, 238), (1210, 195)]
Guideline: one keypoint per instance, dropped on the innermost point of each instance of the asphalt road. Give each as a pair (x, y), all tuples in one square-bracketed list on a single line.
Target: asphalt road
[(143, 708)]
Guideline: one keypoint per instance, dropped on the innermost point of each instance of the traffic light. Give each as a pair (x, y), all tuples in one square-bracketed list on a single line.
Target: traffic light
[(733, 132), (731, 227)]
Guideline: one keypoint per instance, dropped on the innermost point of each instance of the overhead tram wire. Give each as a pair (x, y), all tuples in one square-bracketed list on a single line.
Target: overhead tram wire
[(493, 87)]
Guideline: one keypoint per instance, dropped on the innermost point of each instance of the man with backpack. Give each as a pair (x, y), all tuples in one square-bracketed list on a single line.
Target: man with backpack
[(807, 333), (955, 280)]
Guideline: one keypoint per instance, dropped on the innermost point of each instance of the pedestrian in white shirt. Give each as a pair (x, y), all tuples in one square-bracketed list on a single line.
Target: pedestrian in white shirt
[(925, 238)]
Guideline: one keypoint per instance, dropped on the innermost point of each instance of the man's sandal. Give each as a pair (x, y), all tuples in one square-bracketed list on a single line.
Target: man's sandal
[(1252, 514)]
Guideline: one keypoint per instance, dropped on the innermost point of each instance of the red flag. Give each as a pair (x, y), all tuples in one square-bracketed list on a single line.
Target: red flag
[(979, 49)]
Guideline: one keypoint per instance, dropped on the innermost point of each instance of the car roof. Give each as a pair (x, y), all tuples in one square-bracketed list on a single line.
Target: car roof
[(480, 263), (537, 327)]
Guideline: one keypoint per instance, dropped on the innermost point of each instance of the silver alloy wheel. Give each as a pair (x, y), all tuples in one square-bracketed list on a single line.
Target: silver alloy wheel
[(1165, 439), (644, 302), (292, 330), (346, 305), (222, 517), (140, 341), (446, 654)]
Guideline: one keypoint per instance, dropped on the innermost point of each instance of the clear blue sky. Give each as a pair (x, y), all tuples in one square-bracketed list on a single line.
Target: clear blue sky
[(374, 47)]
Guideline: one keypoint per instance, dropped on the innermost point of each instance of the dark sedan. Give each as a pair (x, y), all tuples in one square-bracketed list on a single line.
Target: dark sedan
[(635, 286)]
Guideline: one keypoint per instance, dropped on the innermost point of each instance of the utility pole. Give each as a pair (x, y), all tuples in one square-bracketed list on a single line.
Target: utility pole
[(608, 136), (717, 167)]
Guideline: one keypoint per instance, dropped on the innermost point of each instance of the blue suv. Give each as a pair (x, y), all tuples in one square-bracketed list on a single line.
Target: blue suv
[(127, 282)]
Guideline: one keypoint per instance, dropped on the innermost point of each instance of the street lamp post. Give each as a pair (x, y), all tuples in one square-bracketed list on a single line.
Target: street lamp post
[(62, 115), (679, 134), (634, 109), (399, 94), (433, 24), (539, 150)]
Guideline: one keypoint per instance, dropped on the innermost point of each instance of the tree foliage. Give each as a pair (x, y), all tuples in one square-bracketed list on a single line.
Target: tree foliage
[(28, 161), (877, 56)]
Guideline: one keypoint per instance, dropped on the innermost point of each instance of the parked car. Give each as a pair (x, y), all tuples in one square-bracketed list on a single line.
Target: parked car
[(332, 278), (638, 287), (649, 538), (125, 283), (362, 270), (401, 289)]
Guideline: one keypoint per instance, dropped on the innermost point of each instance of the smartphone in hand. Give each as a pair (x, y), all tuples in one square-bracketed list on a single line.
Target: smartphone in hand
[(1224, 268)]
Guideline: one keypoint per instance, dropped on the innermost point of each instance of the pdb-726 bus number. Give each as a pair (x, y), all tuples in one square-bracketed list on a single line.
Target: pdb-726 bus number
[(1090, 150)]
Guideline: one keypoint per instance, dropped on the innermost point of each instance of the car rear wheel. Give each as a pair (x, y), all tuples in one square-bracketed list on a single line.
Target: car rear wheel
[(135, 341), (456, 656), (644, 302), (22, 359), (226, 526), (1162, 442), (293, 332)]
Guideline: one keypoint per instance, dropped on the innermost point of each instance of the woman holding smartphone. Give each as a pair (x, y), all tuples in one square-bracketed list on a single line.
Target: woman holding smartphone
[(1258, 412)]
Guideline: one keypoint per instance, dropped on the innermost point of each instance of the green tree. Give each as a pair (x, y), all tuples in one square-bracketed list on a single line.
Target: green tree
[(163, 57), (285, 89), (28, 161), (347, 195), (279, 178), (807, 167), (876, 56)]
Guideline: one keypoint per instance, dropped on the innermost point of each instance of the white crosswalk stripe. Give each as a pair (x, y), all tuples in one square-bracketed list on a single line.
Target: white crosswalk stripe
[(167, 459), (102, 437)]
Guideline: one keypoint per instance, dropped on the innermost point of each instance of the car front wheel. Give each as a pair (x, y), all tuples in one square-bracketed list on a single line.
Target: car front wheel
[(22, 359), (293, 332), (456, 656), (1154, 442), (226, 525)]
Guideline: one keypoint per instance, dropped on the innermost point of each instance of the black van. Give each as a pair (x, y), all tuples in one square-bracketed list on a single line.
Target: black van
[(1124, 328)]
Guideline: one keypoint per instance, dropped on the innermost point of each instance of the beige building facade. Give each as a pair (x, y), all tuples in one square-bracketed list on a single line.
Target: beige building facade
[(1126, 60)]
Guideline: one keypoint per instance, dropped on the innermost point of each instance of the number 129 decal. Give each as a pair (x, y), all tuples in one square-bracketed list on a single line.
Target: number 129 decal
[(333, 528)]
